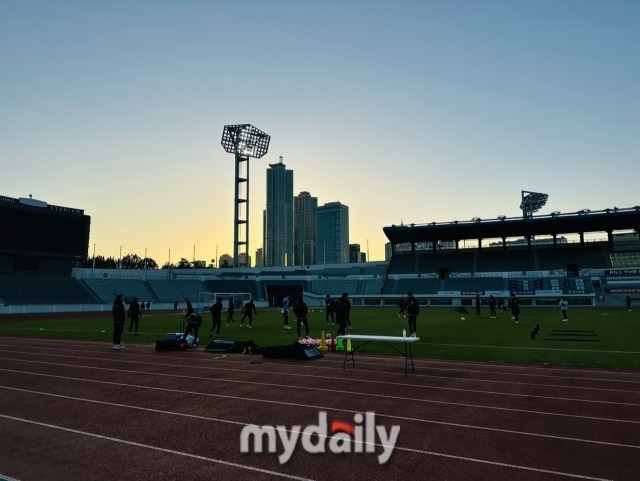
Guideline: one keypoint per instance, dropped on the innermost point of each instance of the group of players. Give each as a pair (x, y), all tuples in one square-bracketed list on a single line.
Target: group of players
[(337, 312)]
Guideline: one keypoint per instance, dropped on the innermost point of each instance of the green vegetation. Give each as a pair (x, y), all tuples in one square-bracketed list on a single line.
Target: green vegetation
[(606, 338)]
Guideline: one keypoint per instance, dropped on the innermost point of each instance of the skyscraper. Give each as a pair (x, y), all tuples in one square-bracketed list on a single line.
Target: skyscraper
[(304, 229), (332, 234), (278, 236)]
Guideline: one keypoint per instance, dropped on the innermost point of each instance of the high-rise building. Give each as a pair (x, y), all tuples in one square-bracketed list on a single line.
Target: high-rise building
[(278, 233), (304, 229), (355, 254), (332, 234)]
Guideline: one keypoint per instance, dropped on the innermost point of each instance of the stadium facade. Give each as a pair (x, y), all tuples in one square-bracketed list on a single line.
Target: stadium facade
[(432, 260)]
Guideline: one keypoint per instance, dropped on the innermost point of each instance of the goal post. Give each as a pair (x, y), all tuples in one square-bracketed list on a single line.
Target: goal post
[(206, 299)]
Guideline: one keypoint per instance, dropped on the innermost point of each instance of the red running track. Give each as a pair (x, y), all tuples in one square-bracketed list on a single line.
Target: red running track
[(82, 411)]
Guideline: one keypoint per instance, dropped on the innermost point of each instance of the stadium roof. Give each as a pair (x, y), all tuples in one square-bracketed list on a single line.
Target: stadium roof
[(581, 222)]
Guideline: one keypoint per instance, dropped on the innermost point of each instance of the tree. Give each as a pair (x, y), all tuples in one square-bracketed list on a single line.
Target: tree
[(184, 264)]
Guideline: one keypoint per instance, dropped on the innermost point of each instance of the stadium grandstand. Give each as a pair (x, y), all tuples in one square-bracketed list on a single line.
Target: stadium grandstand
[(444, 264)]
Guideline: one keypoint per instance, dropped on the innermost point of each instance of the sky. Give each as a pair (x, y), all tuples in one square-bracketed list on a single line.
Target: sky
[(405, 111)]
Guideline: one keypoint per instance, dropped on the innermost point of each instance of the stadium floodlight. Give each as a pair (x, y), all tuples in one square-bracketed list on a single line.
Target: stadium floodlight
[(532, 202), (244, 141)]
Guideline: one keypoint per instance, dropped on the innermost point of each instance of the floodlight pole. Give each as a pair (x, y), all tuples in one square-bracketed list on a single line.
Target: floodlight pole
[(244, 141), (240, 241)]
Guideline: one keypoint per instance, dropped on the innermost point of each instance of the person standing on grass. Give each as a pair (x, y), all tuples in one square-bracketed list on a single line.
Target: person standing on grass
[(119, 319), (564, 305), (478, 306), (300, 309), (134, 313), (627, 301), (247, 311), (401, 306), (343, 311), (413, 309), (492, 306), (285, 312), (329, 308), (216, 317), (231, 307), (515, 308)]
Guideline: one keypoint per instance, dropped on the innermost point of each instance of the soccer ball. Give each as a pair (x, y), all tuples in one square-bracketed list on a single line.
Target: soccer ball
[(462, 318)]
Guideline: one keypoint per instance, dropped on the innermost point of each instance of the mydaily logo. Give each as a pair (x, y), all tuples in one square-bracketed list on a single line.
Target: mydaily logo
[(340, 437)]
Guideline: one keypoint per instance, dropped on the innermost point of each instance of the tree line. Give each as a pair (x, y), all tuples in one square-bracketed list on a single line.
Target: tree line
[(133, 261)]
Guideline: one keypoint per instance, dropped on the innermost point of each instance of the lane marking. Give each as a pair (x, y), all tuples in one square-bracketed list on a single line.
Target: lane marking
[(298, 405), (440, 388), (156, 448), (275, 473)]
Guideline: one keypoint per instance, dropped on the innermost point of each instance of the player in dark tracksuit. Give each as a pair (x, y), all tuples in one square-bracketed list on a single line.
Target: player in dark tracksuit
[(329, 308), (343, 312), (413, 309), (119, 320), (194, 321), (134, 313), (216, 317), (231, 307), (301, 310), (248, 310)]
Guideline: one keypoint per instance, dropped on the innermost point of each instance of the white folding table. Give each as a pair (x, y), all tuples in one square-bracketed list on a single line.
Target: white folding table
[(388, 340)]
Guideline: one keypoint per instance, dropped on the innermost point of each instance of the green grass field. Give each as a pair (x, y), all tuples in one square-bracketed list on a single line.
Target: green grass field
[(605, 338)]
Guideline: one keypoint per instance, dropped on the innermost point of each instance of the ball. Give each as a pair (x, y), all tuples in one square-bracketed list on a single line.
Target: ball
[(462, 318)]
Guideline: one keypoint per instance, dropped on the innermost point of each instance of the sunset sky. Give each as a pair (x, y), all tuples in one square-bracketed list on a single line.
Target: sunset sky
[(405, 111)]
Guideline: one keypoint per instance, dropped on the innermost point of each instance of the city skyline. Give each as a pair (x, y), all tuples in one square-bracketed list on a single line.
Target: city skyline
[(410, 112)]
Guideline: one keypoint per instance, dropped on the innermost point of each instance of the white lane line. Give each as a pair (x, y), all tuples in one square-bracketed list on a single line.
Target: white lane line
[(365, 360), (439, 388), (157, 448), (301, 405), (275, 473)]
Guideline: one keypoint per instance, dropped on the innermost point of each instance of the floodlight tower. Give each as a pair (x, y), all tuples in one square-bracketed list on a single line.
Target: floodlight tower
[(244, 141), (532, 202)]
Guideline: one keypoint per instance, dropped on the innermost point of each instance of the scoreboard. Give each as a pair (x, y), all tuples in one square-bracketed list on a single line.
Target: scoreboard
[(34, 228)]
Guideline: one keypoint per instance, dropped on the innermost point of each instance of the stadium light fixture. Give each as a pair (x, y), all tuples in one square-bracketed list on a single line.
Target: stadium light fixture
[(532, 202), (244, 141)]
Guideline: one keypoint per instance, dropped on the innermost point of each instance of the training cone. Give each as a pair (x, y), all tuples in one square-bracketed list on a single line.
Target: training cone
[(348, 345), (332, 344), (340, 347), (323, 343)]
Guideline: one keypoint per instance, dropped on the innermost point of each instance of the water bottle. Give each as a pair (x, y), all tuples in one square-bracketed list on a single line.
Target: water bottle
[(404, 333)]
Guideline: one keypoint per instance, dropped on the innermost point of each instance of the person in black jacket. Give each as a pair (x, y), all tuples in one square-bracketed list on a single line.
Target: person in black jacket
[(492, 306), (134, 313), (329, 307), (343, 311), (231, 307), (413, 309), (194, 321), (216, 317), (300, 309), (248, 310), (119, 319)]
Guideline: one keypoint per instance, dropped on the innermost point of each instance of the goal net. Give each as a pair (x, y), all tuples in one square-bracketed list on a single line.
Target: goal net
[(206, 299)]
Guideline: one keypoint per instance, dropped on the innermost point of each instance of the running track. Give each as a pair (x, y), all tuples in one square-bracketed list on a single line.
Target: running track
[(82, 411)]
